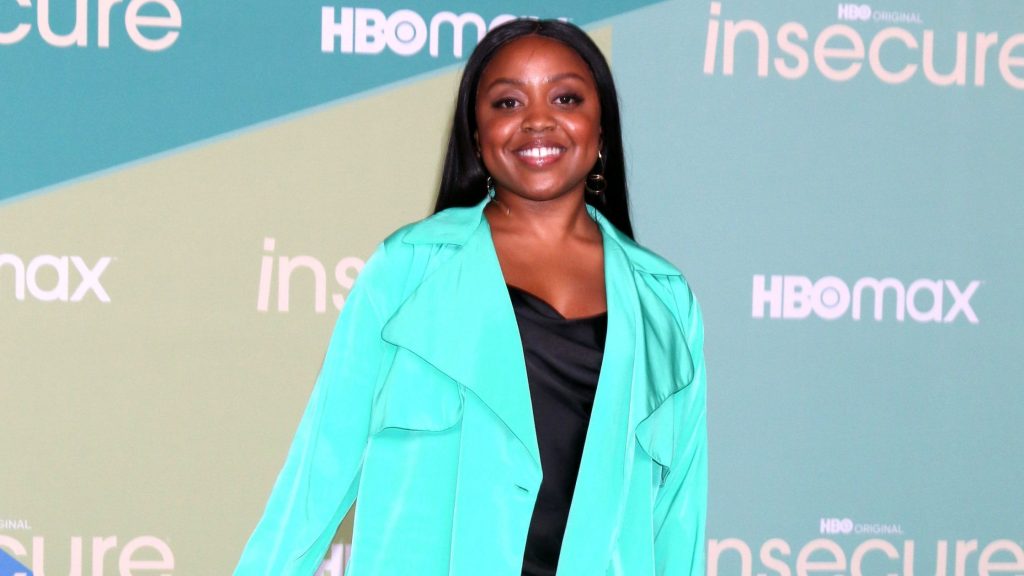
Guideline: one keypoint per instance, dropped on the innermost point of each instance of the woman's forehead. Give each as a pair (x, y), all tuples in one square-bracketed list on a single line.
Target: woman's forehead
[(535, 59)]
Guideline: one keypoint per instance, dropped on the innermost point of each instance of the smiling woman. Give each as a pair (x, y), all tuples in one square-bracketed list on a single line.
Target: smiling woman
[(514, 386), (539, 135)]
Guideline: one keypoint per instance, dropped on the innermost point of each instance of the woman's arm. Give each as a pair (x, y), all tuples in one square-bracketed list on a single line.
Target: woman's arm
[(681, 507), (320, 477)]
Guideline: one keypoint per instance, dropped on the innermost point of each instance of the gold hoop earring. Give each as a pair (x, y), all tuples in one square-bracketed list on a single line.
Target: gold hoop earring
[(596, 184)]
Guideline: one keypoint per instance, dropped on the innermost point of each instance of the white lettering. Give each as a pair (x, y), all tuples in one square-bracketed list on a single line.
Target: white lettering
[(797, 293), (60, 267), (822, 52), (829, 298), (128, 563), (838, 50), (771, 296), (90, 279), (404, 32), (331, 28), (933, 314), (835, 526), (170, 21), (158, 555), (792, 49), (836, 561), (711, 41), (874, 544), (961, 302), (825, 556), (771, 562), (458, 23), (370, 38), (36, 277), (1007, 62), (963, 551), (959, 74), (875, 59), (18, 266), (715, 549), (987, 566), (78, 36), (345, 273), (854, 12), (878, 287), (100, 547), (732, 31), (20, 31)]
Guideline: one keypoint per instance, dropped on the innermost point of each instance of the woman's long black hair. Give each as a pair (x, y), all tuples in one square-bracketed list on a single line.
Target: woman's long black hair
[(464, 178)]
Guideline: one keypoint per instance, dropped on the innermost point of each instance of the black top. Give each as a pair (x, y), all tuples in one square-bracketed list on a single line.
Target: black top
[(563, 362)]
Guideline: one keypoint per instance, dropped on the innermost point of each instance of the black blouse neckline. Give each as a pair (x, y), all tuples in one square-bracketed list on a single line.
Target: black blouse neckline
[(541, 306)]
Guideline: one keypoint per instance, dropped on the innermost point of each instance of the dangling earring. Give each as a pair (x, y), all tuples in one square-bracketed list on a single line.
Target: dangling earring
[(492, 194), (596, 184)]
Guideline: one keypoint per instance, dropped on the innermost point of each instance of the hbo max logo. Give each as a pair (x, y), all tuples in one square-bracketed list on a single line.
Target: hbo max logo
[(404, 32), (836, 526), (831, 298), (854, 12)]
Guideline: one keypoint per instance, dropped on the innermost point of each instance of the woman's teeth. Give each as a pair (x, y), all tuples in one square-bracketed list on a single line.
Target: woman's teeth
[(540, 152)]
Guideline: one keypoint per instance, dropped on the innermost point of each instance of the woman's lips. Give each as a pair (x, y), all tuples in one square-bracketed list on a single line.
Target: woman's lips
[(539, 154)]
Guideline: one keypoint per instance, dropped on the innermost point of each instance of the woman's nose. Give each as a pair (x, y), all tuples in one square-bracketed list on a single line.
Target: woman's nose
[(537, 119)]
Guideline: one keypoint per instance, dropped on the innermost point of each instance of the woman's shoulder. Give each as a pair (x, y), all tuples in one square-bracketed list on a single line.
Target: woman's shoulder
[(665, 279), (449, 226), (405, 255)]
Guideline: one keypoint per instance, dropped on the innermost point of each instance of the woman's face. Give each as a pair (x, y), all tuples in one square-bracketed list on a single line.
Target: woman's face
[(538, 119)]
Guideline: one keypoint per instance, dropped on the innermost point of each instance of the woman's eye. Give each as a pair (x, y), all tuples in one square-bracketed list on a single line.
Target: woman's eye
[(568, 99), (506, 103)]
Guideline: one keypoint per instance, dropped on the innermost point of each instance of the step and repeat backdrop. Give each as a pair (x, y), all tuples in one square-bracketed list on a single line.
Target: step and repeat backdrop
[(188, 190)]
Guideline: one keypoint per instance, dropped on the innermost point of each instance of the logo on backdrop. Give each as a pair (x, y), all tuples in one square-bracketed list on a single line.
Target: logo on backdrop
[(845, 526), (893, 54), (404, 32), (14, 524), (282, 274), (105, 555), (152, 25), (831, 298), (864, 13), (825, 555), (49, 278)]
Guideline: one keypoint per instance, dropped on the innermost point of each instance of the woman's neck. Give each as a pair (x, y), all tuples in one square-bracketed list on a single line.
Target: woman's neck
[(546, 220)]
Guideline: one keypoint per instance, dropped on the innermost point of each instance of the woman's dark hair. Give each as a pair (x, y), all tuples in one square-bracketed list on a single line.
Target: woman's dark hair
[(464, 178)]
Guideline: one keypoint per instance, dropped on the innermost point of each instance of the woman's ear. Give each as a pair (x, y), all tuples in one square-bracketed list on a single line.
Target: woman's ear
[(476, 141)]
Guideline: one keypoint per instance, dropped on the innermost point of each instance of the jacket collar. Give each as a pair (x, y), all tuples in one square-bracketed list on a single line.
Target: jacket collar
[(457, 225)]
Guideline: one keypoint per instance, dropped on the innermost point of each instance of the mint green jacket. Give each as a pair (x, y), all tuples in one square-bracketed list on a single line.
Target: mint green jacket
[(422, 413)]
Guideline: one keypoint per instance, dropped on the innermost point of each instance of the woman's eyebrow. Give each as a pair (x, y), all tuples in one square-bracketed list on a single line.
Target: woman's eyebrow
[(549, 79)]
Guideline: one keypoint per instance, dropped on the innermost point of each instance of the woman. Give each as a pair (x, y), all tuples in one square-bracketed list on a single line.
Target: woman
[(483, 345)]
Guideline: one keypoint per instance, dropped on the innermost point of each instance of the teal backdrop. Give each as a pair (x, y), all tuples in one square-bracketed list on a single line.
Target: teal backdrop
[(189, 189)]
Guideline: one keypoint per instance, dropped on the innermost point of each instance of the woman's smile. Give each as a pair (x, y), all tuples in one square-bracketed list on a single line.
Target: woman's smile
[(540, 154)]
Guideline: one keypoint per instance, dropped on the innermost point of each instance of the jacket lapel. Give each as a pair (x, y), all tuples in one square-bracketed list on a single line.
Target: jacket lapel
[(460, 320), (645, 362)]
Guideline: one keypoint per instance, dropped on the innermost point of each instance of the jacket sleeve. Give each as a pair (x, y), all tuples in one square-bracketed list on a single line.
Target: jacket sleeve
[(680, 509), (320, 477)]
